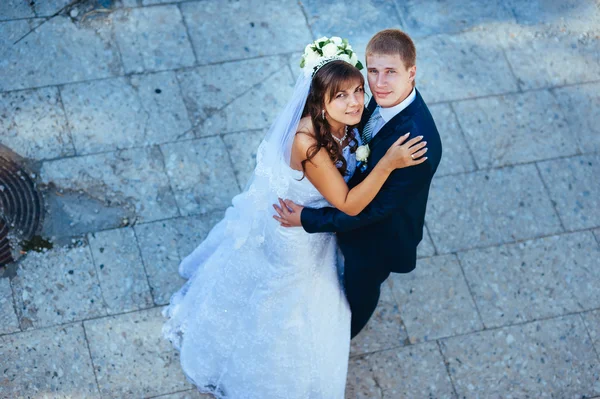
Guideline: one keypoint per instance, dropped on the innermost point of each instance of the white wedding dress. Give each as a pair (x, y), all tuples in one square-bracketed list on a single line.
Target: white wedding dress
[(264, 317)]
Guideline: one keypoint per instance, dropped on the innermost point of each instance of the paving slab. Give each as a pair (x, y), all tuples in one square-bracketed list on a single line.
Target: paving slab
[(120, 270), (423, 18), (574, 188), (446, 69), (243, 114), (207, 89), (193, 394), (384, 330), (164, 244), (581, 106), (597, 234), (489, 208), (425, 247), (435, 301), (56, 287), (242, 149), (58, 51), (13, 9), (121, 113), (33, 124), (47, 363), (592, 322), (354, 20), (360, 383), (535, 279), (572, 15), (547, 359), (8, 318), (237, 30), (131, 358), (49, 7), (537, 56), (133, 179), (516, 128), (152, 39), (457, 157), (201, 174)]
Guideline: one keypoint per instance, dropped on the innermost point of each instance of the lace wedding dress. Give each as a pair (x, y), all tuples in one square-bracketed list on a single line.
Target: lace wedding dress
[(264, 317)]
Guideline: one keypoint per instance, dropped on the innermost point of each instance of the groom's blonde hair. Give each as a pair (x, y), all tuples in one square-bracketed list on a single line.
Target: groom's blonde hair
[(393, 42)]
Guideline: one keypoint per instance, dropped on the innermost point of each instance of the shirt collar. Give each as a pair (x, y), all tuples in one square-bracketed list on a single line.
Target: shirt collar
[(389, 113)]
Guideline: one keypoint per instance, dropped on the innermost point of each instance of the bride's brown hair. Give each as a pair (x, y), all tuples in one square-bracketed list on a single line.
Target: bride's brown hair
[(332, 78)]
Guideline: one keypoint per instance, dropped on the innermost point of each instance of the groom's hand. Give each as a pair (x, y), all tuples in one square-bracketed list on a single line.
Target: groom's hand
[(289, 213)]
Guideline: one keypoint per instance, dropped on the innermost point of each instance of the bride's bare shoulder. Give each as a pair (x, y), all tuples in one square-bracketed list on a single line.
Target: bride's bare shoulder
[(305, 134)]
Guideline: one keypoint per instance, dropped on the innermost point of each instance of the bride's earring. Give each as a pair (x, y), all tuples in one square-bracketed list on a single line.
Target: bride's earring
[(323, 114)]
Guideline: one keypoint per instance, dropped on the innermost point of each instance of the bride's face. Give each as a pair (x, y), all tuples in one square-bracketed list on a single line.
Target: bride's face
[(346, 106)]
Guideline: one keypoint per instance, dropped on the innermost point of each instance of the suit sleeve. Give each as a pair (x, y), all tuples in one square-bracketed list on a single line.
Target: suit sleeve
[(399, 188)]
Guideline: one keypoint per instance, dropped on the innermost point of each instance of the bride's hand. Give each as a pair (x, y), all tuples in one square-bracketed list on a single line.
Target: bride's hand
[(404, 154)]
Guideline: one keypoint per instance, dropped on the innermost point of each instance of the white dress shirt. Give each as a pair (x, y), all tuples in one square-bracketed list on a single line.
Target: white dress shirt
[(389, 113)]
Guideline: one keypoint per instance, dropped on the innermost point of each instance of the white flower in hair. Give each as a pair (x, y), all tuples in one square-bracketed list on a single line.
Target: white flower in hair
[(324, 50), (330, 49)]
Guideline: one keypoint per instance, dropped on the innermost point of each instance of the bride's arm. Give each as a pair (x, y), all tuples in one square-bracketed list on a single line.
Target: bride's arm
[(326, 178)]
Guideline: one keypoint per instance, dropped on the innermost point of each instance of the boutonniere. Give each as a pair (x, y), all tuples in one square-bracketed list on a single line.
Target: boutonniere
[(362, 155)]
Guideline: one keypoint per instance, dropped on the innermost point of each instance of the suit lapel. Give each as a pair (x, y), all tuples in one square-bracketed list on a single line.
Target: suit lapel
[(398, 120)]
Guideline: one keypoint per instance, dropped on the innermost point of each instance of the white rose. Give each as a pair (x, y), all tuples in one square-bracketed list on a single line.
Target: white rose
[(344, 57), (322, 39), (329, 50), (353, 59), (311, 57), (336, 40), (362, 153)]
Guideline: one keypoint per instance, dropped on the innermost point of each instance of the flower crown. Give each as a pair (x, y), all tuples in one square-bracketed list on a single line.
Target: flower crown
[(324, 50)]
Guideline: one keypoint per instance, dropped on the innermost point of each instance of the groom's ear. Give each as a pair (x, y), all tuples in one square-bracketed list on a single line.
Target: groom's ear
[(412, 73)]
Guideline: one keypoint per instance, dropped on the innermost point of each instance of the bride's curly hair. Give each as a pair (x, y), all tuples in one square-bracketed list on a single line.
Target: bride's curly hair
[(332, 78)]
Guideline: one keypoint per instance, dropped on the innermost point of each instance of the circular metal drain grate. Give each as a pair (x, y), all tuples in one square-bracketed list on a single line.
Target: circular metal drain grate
[(20, 204)]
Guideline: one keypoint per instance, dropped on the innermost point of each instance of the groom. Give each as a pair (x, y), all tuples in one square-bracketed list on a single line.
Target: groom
[(383, 238)]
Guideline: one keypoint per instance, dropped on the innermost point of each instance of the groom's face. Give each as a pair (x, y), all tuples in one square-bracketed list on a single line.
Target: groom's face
[(389, 79)]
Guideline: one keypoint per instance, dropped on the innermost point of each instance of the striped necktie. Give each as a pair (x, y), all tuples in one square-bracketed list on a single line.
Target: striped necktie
[(372, 123)]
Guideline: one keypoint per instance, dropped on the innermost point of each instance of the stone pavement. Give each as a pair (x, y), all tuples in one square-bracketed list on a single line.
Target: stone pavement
[(139, 119)]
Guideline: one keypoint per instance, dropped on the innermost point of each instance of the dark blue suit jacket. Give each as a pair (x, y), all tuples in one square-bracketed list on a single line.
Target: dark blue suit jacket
[(386, 233)]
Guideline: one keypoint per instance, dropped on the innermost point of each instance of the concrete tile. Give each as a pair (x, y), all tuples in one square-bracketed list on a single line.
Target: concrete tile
[(572, 15), (534, 279), (592, 323), (435, 300), (208, 88), (416, 371), (52, 362), (471, 64), (423, 18), (236, 30), (33, 124), (164, 244), (57, 286), (457, 157), (131, 358), (489, 208), (59, 51), (384, 330), (574, 188), (201, 173), (242, 113), (361, 383), (354, 20), (131, 179), (152, 39), (12, 9), (597, 234), (581, 107), (8, 318), (118, 113), (242, 149), (47, 8), (120, 269), (548, 359), (425, 247), (515, 128), (537, 56), (193, 394)]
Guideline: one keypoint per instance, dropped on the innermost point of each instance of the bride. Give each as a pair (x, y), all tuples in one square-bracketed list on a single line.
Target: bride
[(263, 315)]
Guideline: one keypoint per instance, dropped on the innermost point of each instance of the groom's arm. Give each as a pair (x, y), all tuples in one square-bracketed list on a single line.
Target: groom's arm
[(399, 188)]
